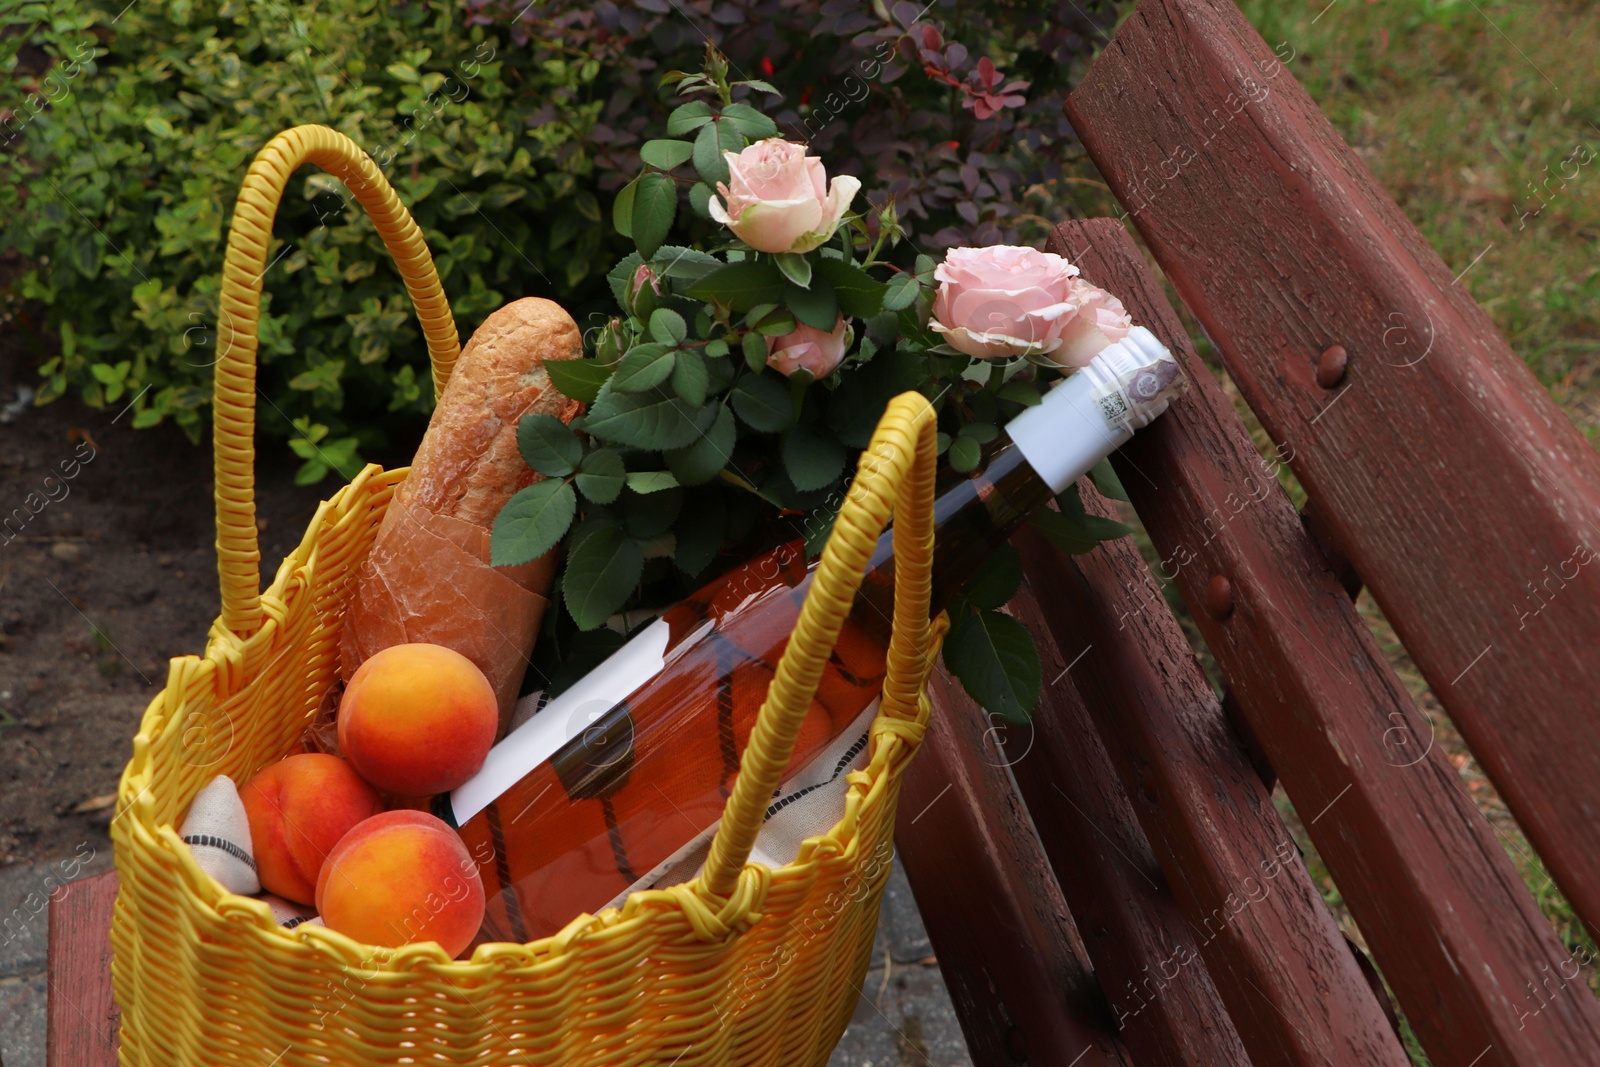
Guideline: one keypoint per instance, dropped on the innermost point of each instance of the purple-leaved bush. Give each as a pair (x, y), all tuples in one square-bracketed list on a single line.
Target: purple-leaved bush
[(952, 108)]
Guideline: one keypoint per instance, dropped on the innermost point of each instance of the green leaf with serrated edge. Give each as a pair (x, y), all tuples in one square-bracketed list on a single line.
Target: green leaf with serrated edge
[(994, 657), (668, 327), (716, 348), (683, 265), (816, 306), (601, 476), (666, 153), (812, 457), (578, 379), (913, 328), (750, 122), (776, 323), (651, 481), (548, 445), (689, 378), (754, 346), (1024, 393), (741, 286), (900, 293), (860, 295), (981, 432), (652, 515), (700, 199), (795, 267), (654, 206), (654, 420), (699, 528), (709, 144), (997, 579), (532, 522), (866, 389), (706, 457), (686, 118), (762, 401), (1074, 531), (643, 367), (964, 454), (1106, 480), (600, 575), (620, 276), (622, 209)]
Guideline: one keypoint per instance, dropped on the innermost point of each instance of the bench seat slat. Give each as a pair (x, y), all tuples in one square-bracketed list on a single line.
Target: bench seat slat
[(1011, 958)]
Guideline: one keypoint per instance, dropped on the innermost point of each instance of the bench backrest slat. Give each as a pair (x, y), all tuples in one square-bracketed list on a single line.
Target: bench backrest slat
[(1465, 499), (1453, 927)]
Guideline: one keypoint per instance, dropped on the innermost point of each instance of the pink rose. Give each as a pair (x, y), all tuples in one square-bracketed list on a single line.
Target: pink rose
[(1099, 321), (808, 348), (778, 198), (1006, 301)]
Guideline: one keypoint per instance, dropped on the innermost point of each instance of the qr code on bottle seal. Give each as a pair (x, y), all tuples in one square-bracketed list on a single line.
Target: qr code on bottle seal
[(1114, 407)]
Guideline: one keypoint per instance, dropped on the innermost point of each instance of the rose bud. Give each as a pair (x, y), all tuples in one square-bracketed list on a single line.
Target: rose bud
[(1006, 301), (644, 289), (810, 349), (778, 198)]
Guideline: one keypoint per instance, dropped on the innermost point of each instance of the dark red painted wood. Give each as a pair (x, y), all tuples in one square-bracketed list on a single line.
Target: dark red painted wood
[(1010, 955), (1449, 920), (82, 1027), (1160, 989), (1464, 498), (1292, 988)]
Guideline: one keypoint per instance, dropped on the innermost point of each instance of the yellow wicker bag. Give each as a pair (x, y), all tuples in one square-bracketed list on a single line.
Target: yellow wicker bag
[(744, 965)]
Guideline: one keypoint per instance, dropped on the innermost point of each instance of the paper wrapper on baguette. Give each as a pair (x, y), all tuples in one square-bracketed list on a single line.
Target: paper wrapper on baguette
[(428, 576)]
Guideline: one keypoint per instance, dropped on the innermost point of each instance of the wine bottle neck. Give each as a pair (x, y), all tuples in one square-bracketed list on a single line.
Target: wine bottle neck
[(1078, 423)]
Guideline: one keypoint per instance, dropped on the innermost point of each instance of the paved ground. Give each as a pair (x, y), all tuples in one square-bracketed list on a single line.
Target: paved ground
[(904, 1016)]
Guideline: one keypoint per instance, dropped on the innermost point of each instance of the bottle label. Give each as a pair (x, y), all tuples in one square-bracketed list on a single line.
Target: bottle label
[(1121, 398), (584, 715)]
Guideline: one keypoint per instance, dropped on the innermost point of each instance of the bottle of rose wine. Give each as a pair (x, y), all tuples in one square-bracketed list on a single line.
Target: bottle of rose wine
[(613, 776)]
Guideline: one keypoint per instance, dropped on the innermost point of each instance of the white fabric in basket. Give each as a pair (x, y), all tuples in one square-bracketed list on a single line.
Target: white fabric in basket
[(218, 834)]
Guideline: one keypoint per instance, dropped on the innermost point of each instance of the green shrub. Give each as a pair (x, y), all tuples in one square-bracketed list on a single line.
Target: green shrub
[(135, 142)]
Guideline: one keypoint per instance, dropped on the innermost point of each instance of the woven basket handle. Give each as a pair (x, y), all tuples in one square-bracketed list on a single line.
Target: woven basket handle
[(896, 472), (238, 552)]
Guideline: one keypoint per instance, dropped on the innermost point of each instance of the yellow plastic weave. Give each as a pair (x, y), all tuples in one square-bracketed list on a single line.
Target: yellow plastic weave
[(745, 965)]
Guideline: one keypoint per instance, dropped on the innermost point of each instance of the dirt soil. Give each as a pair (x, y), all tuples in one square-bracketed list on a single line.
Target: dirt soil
[(103, 576)]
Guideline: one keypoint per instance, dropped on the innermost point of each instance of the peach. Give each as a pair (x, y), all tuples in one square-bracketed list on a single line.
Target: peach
[(417, 719), (399, 878), (298, 809)]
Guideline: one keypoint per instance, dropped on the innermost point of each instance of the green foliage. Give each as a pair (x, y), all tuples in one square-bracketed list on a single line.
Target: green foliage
[(120, 179), (694, 447)]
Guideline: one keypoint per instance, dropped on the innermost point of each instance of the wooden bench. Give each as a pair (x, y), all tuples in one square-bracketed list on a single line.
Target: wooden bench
[(1440, 475), (1112, 884)]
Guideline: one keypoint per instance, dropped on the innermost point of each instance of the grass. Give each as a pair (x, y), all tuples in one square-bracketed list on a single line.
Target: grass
[(1482, 119)]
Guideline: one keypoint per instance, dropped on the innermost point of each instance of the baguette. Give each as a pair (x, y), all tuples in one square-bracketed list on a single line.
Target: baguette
[(428, 577)]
